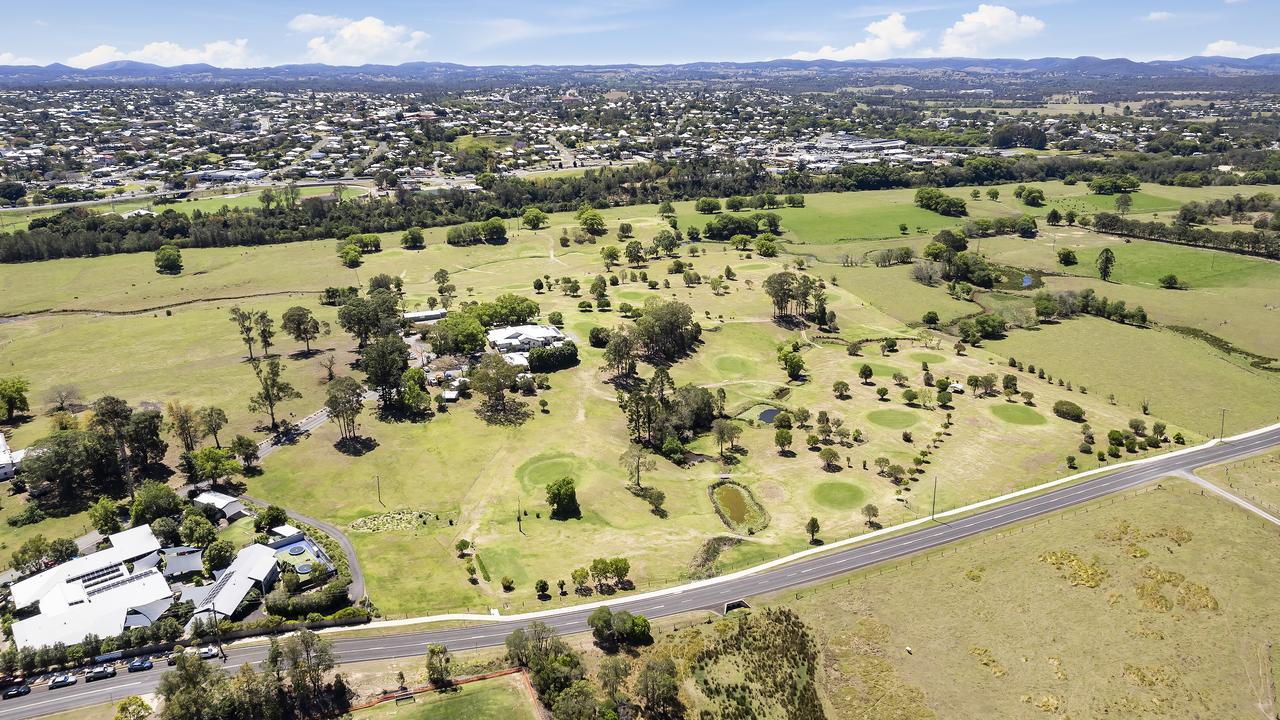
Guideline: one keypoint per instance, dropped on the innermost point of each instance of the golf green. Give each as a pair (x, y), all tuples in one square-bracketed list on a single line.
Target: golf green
[(539, 470), (733, 364), (838, 495), (1018, 414), (895, 419)]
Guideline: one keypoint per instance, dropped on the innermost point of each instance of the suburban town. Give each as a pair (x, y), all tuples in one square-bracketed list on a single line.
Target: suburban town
[(529, 363)]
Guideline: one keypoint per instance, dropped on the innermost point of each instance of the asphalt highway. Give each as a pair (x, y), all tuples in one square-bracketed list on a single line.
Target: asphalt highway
[(678, 600)]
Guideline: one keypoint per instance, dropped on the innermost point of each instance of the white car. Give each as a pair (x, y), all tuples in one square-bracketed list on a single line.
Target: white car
[(208, 652)]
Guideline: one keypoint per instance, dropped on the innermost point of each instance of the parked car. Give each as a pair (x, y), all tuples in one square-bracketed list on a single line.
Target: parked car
[(140, 664), (101, 672), (62, 680), (208, 652), (18, 690)]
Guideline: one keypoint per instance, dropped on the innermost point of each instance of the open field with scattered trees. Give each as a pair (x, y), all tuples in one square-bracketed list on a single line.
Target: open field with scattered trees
[(840, 339)]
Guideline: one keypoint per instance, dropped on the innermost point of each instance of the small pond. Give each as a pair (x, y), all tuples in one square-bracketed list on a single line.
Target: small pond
[(733, 502), (738, 508), (768, 414)]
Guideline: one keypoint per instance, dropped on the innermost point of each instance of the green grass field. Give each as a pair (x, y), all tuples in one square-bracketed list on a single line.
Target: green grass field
[(1256, 479), (1186, 381), (204, 201), (1231, 296), (497, 699), (1007, 634), (476, 477)]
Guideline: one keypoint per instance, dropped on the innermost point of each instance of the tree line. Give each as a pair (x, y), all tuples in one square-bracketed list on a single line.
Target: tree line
[(79, 232), (1261, 243)]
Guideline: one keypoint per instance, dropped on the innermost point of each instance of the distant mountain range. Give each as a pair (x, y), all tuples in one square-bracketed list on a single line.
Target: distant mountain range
[(820, 72)]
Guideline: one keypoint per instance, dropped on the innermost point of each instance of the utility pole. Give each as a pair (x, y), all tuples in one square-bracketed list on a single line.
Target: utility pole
[(378, 480), (934, 509), (1222, 424)]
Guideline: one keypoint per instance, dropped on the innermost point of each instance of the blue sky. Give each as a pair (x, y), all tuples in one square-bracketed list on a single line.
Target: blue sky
[(241, 33)]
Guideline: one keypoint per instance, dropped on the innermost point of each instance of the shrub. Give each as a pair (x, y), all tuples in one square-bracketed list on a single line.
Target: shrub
[(549, 359), (1068, 410)]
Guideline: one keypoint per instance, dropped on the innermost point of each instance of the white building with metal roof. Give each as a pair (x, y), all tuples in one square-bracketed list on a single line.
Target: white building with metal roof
[(96, 594)]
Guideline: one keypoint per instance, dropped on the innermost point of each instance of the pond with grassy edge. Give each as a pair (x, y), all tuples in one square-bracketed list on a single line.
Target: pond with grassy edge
[(737, 507), (1018, 414), (838, 495), (893, 419)]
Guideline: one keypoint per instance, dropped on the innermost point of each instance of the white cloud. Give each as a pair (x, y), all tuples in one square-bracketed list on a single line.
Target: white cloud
[(1158, 16), (987, 27), (1231, 48), (346, 41), (8, 58), (886, 37), (222, 53)]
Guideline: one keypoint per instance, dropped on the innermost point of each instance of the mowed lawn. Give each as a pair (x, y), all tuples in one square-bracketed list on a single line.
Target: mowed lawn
[(1161, 606), (500, 698)]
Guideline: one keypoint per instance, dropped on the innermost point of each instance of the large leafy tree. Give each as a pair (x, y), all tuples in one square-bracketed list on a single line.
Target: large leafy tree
[(344, 399), (301, 325), (384, 362), (111, 418), (13, 396), (273, 389)]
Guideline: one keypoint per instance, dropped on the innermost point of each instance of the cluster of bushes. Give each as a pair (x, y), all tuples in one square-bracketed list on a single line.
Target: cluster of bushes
[(1018, 135), (550, 359), (611, 628), (1068, 410), (202, 629), (774, 657), (761, 201), (328, 598), (336, 296), (493, 230), (1069, 303), (351, 248), (931, 198), (724, 227), (1114, 184), (892, 256)]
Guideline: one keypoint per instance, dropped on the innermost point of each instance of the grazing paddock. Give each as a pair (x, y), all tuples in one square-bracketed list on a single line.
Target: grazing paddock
[(1180, 582)]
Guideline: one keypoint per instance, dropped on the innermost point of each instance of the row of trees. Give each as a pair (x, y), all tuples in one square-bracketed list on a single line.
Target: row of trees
[(1069, 303), (293, 683), (1262, 243)]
